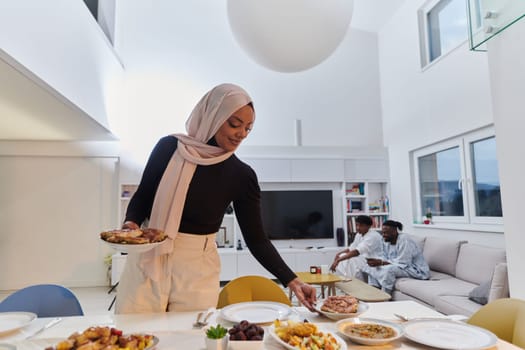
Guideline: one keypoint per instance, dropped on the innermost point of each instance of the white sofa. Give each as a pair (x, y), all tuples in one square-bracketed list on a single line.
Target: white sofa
[(458, 269)]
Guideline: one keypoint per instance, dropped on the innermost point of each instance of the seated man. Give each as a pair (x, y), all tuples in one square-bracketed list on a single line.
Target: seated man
[(367, 244), (402, 257)]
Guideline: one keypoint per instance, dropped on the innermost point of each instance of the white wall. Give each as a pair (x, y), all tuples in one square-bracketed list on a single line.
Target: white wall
[(175, 51), (61, 43), (506, 54), (423, 106), (55, 199)]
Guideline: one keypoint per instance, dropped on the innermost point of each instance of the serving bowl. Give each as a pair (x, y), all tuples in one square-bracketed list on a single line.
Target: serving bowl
[(372, 334)]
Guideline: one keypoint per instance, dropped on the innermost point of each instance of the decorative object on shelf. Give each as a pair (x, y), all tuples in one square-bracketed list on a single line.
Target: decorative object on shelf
[(291, 35), (221, 237), (340, 235), (229, 209), (239, 244)]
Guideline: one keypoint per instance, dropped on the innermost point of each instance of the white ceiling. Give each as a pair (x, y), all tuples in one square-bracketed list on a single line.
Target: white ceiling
[(32, 110)]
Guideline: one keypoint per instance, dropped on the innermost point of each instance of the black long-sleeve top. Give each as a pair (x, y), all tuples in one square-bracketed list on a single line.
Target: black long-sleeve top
[(211, 190)]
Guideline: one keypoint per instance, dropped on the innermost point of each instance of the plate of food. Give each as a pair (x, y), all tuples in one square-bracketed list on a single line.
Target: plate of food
[(133, 241), (304, 335), (11, 321), (369, 331), (338, 307), (101, 337), (258, 312)]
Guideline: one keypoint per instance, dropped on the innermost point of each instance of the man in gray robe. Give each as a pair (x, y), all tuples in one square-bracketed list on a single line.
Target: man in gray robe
[(402, 257)]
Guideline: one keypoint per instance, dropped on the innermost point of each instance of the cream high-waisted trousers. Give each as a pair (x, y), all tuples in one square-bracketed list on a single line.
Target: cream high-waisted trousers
[(191, 281)]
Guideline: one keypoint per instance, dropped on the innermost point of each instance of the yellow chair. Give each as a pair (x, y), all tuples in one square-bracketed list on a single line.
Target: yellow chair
[(251, 288), (503, 317)]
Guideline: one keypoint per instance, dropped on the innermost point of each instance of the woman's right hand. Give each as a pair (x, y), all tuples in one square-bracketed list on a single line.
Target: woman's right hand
[(130, 225)]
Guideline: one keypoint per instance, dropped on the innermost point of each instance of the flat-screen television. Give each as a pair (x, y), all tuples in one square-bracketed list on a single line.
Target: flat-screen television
[(297, 214)]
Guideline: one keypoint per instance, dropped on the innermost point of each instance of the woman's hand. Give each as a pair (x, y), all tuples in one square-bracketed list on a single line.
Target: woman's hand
[(130, 225), (305, 293)]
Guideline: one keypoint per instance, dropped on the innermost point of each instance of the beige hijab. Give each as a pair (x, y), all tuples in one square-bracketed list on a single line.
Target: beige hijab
[(205, 120)]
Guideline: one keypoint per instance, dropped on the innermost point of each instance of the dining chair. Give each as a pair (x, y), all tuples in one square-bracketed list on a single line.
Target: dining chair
[(45, 300), (504, 317), (251, 288)]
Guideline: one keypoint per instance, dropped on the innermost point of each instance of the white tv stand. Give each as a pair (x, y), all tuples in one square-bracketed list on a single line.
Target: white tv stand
[(236, 263)]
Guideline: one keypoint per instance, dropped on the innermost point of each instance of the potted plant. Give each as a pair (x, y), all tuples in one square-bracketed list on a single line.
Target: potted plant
[(428, 217), (216, 338)]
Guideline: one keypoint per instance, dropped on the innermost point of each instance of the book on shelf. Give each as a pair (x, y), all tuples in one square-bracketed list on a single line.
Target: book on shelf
[(354, 206)]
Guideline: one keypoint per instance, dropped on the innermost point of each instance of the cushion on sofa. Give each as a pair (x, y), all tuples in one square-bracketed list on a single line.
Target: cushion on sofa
[(426, 290), (480, 294), (476, 263), (455, 305), (500, 283), (442, 254), (436, 276)]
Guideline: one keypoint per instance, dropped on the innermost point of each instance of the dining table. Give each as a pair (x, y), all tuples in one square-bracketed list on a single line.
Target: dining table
[(174, 330)]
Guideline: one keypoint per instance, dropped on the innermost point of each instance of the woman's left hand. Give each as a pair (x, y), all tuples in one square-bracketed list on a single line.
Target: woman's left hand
[(305, 293)]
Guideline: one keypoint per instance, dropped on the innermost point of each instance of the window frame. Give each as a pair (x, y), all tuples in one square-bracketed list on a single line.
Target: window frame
[(463, 142), (468, 140), (424, 33)]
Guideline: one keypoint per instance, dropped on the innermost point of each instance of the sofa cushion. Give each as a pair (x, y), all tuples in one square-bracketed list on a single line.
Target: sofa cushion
[(476, 263), (480, 294), (419, 239), (436, 276), (455, 305), (442, 254), (427, 291), (500, 283)]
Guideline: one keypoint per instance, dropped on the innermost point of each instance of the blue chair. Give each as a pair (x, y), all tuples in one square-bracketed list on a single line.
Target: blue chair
[(45, 300)]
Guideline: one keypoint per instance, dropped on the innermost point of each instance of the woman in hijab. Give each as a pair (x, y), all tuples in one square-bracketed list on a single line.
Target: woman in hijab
[(187, 184)]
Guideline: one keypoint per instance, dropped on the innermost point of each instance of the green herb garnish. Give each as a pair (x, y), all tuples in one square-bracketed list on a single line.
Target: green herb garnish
[(217, 332)]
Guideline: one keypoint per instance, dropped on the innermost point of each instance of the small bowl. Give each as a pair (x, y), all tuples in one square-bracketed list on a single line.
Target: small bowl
[(245, 344)]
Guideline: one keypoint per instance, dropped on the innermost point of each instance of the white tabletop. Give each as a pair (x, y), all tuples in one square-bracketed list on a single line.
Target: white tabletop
[(174, 329)]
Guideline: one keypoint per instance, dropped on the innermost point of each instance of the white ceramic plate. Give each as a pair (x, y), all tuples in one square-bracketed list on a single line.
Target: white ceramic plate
[(447, 334), (132, 248), (271, 331), (362, 307), (258, 312), (10, 321), (342, 324)]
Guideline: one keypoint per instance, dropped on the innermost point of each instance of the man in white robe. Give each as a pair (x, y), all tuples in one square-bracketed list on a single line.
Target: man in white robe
[(401, 257), (367, 244)]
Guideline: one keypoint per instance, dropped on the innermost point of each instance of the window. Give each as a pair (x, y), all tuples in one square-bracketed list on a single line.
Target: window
[(457, 180), (443, 26)]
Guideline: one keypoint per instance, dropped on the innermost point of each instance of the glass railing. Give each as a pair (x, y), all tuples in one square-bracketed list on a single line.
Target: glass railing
[(487, 18)]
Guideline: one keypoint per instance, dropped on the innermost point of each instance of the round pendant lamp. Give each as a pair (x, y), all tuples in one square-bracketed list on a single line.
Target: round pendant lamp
[(289, 35)]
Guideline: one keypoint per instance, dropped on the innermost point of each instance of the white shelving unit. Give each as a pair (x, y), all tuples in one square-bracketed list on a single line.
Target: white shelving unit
[(366, 198)]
